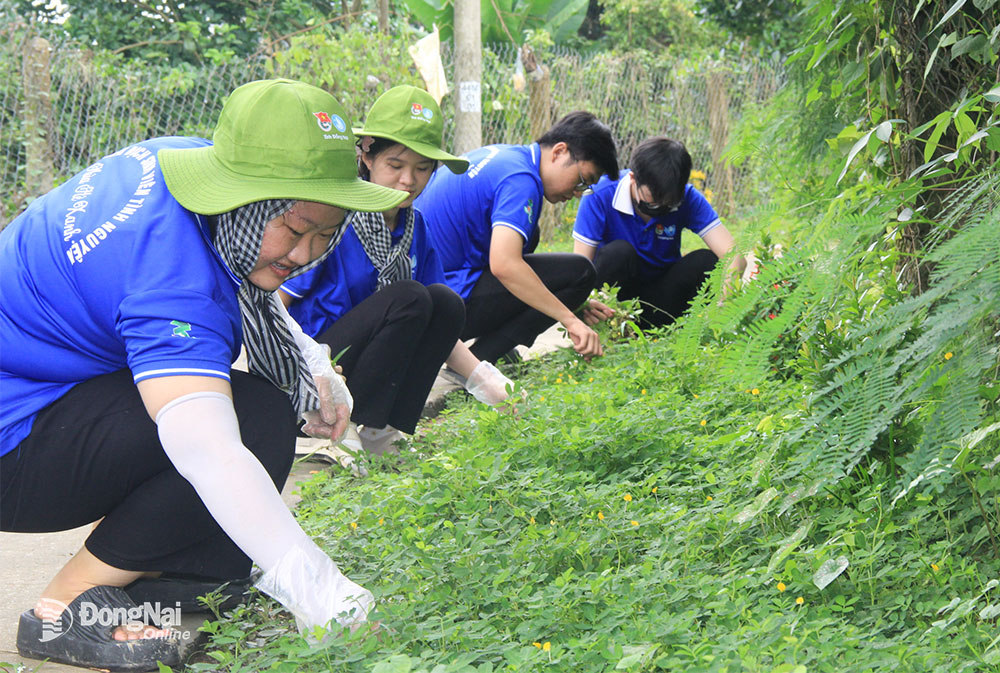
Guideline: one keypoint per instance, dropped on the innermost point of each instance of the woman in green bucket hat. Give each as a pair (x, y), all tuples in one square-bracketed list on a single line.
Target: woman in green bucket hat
[(381, 294), (127, 293)]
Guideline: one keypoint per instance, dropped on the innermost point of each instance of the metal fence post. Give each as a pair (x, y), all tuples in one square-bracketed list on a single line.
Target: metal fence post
[(37, 113)]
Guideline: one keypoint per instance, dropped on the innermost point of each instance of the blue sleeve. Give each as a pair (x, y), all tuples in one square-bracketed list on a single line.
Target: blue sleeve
[(169, 332), (517, 204), (428, 269), (300, 286), (700, 218), (592, 218)]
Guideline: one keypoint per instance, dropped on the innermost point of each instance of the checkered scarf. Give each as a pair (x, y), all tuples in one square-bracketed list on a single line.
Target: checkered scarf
[(271, 349), (391, 261)]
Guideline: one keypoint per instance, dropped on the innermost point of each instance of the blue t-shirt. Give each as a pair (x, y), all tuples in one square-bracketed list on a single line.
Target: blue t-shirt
[(347, 277), (607, 214), (108, 271), (502, 188)]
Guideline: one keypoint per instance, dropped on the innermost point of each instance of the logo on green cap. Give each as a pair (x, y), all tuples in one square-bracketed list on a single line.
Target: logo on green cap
[(324, 121), (421, 112)]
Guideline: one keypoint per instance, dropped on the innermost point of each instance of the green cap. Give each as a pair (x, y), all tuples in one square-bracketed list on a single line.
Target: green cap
[(276, 139), (411, 117)]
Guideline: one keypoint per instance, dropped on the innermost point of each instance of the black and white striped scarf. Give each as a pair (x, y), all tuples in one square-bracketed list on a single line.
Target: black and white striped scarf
[(271, 349), (391, 261)]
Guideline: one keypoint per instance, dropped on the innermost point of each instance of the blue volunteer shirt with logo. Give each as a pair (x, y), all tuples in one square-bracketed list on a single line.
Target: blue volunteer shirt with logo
[(502, 188), (347, 277), (108, 271), (607, 214)]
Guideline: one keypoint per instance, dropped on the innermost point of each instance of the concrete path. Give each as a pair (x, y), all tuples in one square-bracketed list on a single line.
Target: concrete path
[(28, 561)]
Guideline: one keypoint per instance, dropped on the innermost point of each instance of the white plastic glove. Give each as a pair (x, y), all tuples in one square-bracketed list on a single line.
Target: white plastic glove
[(487, 384), (307, 582), (335, 401)]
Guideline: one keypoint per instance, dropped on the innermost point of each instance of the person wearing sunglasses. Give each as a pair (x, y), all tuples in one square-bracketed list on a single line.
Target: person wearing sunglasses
[(484, 223), (630, 227)]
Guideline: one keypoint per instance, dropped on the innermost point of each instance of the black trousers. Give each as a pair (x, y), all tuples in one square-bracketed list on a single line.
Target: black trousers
[(499, 321), (95, 453), (665, 297), (396, 340)]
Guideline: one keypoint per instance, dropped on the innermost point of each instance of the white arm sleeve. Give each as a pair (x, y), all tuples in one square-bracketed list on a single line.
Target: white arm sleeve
[(200, 434)]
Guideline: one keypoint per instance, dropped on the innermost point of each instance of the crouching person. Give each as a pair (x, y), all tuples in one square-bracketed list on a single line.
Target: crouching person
[(117, 402)]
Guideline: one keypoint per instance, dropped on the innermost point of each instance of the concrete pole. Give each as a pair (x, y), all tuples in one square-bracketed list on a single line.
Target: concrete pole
[(468, 76)]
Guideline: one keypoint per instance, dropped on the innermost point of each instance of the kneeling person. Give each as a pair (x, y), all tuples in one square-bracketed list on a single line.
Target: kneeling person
[(630, 227)]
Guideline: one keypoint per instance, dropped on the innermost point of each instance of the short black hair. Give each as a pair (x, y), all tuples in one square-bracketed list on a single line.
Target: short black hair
[(588, 139), (663, 166)]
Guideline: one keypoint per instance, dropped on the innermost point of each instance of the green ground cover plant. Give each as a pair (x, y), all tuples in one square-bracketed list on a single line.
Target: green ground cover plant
[(801, 479)]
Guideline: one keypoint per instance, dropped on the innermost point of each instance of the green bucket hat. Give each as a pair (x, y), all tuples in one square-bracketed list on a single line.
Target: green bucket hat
[(411, 117), (276, 139)]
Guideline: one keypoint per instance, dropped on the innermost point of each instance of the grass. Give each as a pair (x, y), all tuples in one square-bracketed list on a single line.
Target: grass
[(624, 520)]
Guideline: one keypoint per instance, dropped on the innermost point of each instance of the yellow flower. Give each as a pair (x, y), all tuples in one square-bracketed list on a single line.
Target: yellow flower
[(708, 193), (755, 391), (532, 519), (697, 175), (643, 391), (542, 398), (747, 390), (800, 600), (703, 423), (934, 567), (354, 525), (949, 355), (552, 522), (627, 497), (491, 508), (708, 497), (654, 489), (546, 646), (696, 395), (381, 521), (600, 516), (558, 380), (590, 380), (538, 645), (634, 522), (781, 586)]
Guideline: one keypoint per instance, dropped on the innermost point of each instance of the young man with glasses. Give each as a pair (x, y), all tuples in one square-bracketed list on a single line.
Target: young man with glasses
[(630, 227), (484, 224)]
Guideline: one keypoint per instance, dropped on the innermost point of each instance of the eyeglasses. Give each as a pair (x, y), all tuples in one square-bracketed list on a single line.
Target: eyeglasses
[(653, 209), (657, 209), (581, 187)]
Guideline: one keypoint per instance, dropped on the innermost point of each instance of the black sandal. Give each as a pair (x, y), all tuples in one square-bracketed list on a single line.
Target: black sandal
[(183, 592), (80, 638)]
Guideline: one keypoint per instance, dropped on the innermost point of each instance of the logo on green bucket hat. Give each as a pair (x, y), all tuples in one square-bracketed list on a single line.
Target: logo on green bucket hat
[(275, 139)]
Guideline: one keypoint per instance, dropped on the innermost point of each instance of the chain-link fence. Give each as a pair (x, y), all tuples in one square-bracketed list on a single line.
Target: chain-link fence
[(61, 108)]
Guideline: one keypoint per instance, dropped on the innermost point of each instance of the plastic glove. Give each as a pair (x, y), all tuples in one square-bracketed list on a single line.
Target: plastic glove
[(487, 384), (335, 401), (307, 582)]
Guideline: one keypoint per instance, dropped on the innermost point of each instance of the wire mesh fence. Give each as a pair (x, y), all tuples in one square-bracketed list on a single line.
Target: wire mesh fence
[(62, 107)]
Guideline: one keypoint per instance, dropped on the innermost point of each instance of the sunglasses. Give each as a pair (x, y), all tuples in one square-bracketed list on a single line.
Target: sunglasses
[(657, 209)]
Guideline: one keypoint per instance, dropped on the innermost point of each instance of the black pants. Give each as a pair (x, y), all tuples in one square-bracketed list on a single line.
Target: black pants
[(95, 453), (665, 297), (396, 340), (499, 321)]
